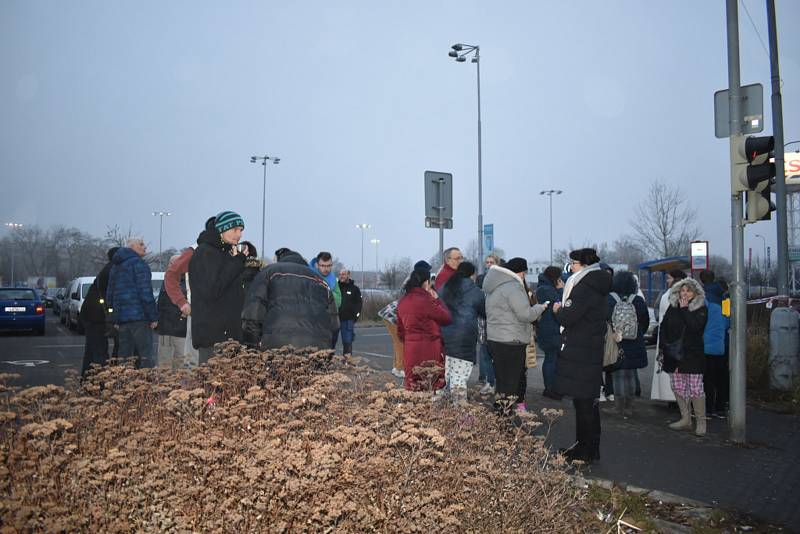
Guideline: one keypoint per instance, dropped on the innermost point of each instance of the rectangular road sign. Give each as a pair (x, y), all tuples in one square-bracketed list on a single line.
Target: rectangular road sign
[(433, 222), (488, 238), (752, 111), (439, 195)]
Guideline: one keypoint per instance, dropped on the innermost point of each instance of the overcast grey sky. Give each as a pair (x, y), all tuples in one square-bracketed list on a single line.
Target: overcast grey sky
[(110, 110)]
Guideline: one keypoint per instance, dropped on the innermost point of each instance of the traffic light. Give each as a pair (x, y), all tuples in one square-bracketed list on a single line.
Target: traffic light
[(759, 203), (750, 163)]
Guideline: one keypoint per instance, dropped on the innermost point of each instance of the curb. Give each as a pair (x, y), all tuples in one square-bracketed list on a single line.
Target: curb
[(656, 495)]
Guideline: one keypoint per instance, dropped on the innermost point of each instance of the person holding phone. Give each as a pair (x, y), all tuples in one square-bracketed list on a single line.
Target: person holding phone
[(216, 272)]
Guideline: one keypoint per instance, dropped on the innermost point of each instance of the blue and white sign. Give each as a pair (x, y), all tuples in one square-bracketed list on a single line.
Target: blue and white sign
[(488, 238)]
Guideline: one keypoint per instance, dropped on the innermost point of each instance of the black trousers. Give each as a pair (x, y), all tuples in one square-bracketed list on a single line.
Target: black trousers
[(95, 349), (715, 382), (509, 369), (587, 427)]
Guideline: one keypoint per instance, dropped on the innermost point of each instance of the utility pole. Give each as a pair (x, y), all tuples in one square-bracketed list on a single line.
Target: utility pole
[(738, 354), (777, 134)]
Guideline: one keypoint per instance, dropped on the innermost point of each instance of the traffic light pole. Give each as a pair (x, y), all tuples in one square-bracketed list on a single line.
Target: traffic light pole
[(777, 134), (736, 419)]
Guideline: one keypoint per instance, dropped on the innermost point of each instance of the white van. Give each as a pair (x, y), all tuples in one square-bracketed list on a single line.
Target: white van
[(74, 295)]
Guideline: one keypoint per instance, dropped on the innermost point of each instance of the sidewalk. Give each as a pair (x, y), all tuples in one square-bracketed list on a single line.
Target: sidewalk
[(760, 478)]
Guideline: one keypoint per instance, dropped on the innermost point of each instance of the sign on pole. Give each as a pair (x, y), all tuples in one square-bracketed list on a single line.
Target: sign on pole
[(439, 203), (699, 253), (752, 109), (488, 239)]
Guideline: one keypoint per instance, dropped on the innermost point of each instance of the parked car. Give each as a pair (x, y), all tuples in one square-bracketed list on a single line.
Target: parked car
[(49, 295), (76, 292), (58, 301), (21, 308)]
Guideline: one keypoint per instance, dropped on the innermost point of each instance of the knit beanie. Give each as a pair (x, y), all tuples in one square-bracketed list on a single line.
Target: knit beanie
[(228, 219), (422, 265), (517, 265)]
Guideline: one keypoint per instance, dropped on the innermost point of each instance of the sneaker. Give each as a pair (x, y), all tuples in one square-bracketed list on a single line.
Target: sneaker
[(399, 373), (610, 398), (487, 389), (521, 408), (603, 396)]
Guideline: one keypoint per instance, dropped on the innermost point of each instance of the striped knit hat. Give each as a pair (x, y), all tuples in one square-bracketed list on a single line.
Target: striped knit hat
[(226, 220)]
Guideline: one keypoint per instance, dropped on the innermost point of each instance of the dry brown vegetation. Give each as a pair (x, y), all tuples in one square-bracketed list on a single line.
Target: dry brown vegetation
[(277, 441)]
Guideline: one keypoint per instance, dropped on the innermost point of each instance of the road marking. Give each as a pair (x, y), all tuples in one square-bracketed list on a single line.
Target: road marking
[(376, 354), (55, 346), (373, 335), (27, 363)]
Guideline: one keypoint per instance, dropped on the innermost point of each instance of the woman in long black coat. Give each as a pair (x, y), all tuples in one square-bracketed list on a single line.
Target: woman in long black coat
[(579, 365)]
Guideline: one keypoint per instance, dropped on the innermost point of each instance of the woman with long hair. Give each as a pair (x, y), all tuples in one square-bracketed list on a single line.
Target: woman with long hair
[(466, 303), (579, 364), (660, 388), (420, 316)]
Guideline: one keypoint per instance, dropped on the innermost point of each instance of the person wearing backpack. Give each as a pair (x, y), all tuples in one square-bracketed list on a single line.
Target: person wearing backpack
[(627, 312)]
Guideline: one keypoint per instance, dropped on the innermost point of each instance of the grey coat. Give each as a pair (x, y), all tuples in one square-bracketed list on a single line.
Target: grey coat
[(509, 314)]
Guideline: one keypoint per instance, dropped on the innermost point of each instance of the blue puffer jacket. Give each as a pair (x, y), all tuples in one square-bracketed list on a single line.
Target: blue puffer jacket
[(716, 327), (548, 331), (129, 292), (461, 335)]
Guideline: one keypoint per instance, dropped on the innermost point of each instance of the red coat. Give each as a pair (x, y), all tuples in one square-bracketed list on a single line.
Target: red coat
[(445, 273), (419, 317)]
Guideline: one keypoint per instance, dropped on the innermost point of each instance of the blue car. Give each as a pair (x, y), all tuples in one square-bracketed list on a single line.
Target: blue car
[(21, 308)]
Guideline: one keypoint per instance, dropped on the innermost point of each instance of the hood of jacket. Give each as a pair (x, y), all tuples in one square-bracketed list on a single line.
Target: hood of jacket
[(124, 253), (331, 279), (210, 236), (544, 281), (713, 292), (675, 293), (498, 276), (624, 284)]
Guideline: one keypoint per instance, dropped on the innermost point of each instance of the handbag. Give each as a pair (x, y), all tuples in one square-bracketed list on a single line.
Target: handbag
[(674, 349), (530, 353), (611, 350)]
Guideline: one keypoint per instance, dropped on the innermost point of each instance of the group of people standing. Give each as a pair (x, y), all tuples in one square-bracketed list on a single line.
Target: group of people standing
[(213, 291)]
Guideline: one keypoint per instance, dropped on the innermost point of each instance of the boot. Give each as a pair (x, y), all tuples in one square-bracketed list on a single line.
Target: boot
[(699, 405), (347, 348), (685, 422)]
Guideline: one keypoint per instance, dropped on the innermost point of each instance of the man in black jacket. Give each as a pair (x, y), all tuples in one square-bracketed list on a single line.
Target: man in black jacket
[(93, 318), (218, 273), (288, 303), (349, 311)]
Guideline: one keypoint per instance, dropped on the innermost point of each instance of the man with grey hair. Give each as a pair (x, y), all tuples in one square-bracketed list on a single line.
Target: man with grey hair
[(129, 298), (452, 259), (171, 325)]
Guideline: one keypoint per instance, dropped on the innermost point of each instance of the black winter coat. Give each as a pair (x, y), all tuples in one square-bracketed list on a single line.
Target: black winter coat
[(350, 309), (548, 330), (461, 335), (579, 365), (171, 321), (217, 280), (288, 303), (634, 351), (92, 310), (691, 324)]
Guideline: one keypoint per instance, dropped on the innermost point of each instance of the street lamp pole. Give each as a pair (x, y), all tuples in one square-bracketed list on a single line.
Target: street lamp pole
[(764, 259), (376, 242), (14, 226), (263, 160), (161, 215), (362, 227), (460, 52), (550, 193)]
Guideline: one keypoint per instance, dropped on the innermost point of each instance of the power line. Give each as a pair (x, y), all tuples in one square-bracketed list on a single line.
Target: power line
[(752, 23)]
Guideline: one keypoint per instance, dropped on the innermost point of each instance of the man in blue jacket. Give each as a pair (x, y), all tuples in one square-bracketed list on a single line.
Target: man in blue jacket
[(130, 299)]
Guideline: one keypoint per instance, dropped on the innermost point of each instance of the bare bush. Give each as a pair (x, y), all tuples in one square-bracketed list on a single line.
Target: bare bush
[(278, 441)]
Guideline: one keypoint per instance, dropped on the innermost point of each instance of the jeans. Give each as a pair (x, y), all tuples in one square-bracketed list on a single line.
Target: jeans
[(136, 337), (347, 329), (485, 365), (549, 368)]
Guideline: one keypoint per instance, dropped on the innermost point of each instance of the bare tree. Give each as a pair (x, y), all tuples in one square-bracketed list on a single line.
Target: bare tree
[(395, 272), (664, 222)]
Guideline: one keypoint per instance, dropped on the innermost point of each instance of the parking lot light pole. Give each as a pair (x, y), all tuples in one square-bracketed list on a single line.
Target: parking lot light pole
[(459, 52), (264, 159), (14, 226), (550, 193), (362, 227), (376, 242), (160, 215)]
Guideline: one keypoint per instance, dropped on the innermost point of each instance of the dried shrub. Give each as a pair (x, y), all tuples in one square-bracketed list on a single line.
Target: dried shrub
[(282, 440)]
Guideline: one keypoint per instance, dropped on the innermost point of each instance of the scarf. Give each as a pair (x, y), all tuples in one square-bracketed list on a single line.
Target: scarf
[(576, 278)]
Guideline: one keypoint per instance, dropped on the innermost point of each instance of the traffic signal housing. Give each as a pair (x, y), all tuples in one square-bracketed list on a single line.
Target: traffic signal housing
[(752, 172)]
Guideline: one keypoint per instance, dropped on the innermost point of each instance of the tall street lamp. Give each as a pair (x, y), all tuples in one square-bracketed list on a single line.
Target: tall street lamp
[(14, 226), (362, 227), (376, 242), (264, 160), (160, 215), (550, 193), (460, 52)]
